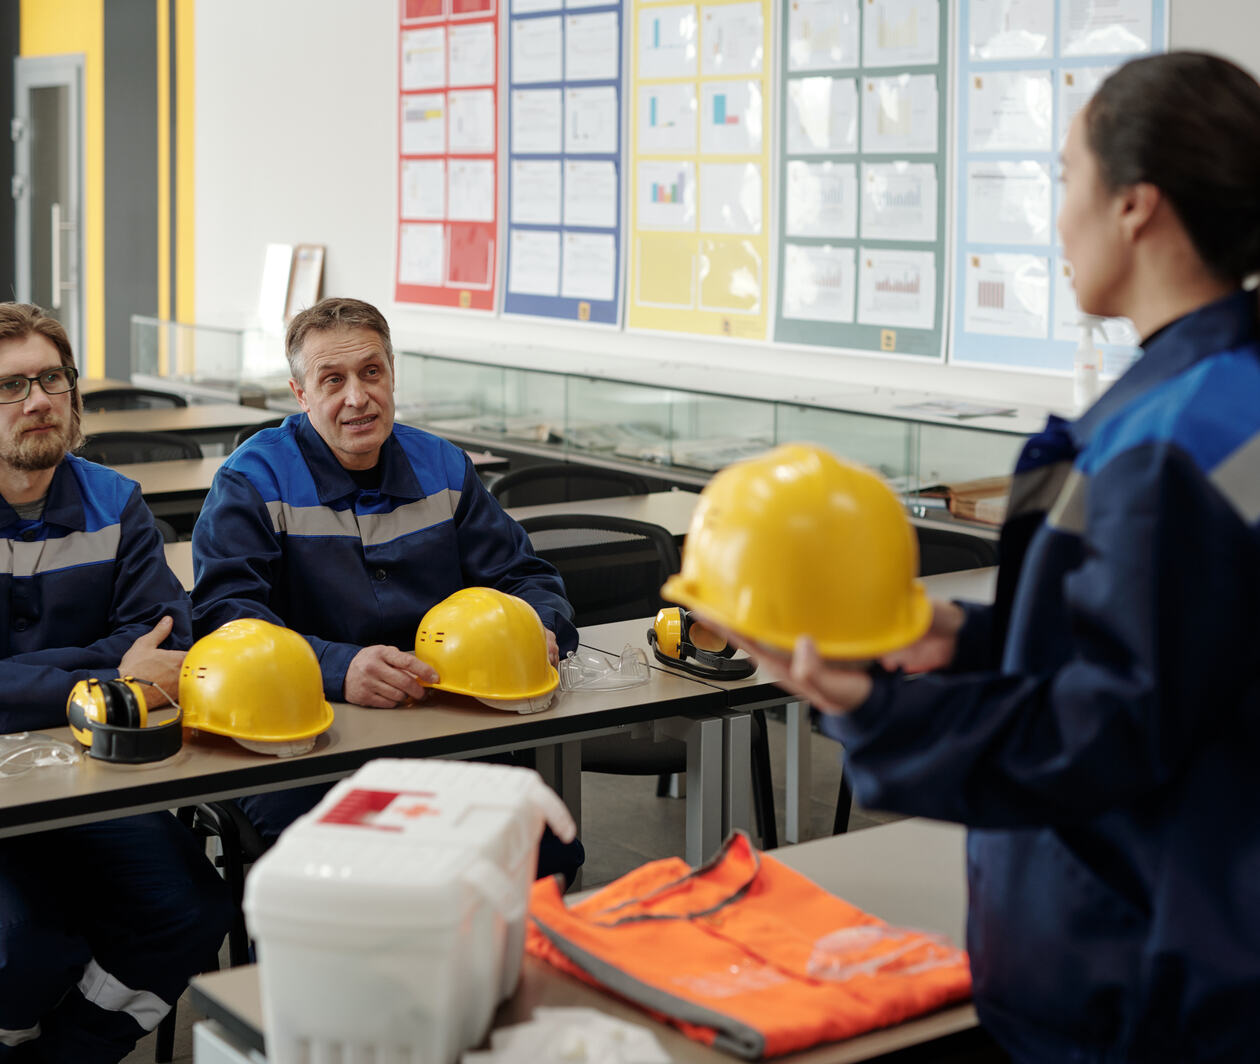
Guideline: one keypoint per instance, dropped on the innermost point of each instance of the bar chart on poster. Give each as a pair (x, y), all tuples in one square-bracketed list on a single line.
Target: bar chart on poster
[(862, 231), (1026, 68), (699, 172), (448, 153), (564, 218)]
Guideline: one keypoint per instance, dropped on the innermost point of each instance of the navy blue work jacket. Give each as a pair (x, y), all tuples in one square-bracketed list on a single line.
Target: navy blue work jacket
[(286, 535), (1099, 731), (77, 588)]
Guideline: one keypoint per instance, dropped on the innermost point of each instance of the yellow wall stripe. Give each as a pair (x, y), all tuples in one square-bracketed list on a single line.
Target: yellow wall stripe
[(164, 174), (63, 27), (164, 157), (185, 185)]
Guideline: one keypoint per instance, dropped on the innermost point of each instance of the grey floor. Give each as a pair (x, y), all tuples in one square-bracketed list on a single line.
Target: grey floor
[(624, 824)]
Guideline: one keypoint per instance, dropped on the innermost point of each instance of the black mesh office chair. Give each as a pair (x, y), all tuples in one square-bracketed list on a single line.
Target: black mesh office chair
[(130, 399), (947, 550), (564, 482), (120, 448), (613, 568), (249, 430), (169, 535)]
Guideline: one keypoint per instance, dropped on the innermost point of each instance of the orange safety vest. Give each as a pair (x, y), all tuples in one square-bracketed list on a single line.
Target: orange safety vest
[(745, 954)]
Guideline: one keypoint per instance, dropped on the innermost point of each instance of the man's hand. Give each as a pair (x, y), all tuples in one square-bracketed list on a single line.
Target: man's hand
[(145, 660), (553, 648), (385, 677)]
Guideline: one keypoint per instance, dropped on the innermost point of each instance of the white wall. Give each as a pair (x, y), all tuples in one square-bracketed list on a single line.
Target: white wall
[(1226, 27), (296, 142)]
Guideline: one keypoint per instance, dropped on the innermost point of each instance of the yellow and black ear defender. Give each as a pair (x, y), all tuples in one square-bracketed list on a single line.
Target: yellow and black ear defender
[(110, 718), (682, 643)]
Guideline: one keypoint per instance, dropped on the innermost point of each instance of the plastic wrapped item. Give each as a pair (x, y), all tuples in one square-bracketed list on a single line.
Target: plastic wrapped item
[(878, 949), (590, 670), (571, 1036), (23, 751)]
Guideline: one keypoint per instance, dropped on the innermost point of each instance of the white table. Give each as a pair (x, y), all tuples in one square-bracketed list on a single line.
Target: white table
[(910, 873)]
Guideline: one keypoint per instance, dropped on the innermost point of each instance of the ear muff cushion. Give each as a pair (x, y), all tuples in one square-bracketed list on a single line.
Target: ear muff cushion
[(702, 663), (697, 639), (121, 709)]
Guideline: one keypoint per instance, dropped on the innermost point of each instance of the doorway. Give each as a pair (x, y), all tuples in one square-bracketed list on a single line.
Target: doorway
[(47, 131)]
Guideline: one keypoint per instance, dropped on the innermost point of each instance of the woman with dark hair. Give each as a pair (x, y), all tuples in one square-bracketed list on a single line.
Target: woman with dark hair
[(1098, 727)]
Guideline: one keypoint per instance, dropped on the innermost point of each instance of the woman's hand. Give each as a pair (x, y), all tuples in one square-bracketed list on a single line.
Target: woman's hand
[(841, 686), (832, 686), (935, 648)]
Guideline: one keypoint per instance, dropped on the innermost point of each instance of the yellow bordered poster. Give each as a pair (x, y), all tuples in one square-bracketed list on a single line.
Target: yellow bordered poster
[(700, 108)]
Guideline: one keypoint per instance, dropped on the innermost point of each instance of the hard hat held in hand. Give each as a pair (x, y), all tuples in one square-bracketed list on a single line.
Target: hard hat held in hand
[(798, 542), (258, 683), (490, 645)]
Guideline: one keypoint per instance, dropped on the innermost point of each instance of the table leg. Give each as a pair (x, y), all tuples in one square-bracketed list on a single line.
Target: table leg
[(705, 799), (798, 771), (737, 755), (560, 766)]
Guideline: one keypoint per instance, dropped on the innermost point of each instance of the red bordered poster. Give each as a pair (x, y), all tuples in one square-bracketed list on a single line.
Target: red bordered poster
[(448, 153)]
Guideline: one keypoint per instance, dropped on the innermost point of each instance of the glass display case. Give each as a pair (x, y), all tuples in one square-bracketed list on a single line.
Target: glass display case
[(208, 361), (671, 422), (688, 432)]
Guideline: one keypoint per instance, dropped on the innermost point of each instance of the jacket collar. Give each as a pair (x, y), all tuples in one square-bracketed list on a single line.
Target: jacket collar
[(65, 502), (1223, 325), (334, 483)]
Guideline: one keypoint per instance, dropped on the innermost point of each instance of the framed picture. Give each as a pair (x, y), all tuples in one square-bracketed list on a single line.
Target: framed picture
[(306, 277), (273, 293)]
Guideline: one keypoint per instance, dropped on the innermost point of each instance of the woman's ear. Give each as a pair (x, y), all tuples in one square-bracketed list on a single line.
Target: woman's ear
[(1137, 205)]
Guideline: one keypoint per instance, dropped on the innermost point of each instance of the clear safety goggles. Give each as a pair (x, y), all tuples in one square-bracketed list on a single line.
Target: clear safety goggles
[(590, 670)]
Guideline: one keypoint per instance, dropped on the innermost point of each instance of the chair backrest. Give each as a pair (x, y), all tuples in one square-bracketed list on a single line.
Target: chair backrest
[(120, 448), (130, 399), (169, 535), (947, 550), (249, 430), (613, 567), (564, 482)]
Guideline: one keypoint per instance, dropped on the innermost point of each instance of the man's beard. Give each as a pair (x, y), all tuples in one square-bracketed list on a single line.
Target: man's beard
[(31, 454)]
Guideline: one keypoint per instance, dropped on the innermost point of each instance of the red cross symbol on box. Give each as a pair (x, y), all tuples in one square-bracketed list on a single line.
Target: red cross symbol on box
[(418, 810)]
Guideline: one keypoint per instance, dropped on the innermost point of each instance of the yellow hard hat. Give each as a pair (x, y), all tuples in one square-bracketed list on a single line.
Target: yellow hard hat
[(258, 683), (490, 645), (798, 542)]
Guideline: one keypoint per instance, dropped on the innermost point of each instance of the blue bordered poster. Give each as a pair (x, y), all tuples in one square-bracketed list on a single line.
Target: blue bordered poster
[(564, 176), (1026, 67)]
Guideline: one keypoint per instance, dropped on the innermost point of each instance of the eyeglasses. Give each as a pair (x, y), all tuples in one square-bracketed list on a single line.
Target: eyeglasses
[(54, 382)]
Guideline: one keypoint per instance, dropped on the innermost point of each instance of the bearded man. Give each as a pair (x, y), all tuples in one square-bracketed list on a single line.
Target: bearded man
[(101, 924)]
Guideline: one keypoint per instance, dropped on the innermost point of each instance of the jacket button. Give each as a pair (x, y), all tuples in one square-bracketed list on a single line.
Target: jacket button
[(21, 624), (379, 574), (29, 535)]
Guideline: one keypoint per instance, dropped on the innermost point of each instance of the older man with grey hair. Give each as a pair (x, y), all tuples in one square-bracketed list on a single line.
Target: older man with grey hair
[(347, 528)]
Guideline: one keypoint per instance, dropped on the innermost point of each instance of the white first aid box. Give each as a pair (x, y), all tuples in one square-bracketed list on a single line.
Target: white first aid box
[(390, 920)]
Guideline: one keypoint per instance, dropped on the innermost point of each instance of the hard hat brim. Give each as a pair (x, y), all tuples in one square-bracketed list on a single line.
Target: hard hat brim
[(325, 722), (553, 681), (917, 621)]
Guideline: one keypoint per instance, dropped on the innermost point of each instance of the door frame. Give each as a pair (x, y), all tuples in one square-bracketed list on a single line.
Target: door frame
[(36, 72)]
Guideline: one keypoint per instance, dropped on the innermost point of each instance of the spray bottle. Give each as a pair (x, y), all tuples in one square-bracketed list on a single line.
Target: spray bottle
[(1085, 365)]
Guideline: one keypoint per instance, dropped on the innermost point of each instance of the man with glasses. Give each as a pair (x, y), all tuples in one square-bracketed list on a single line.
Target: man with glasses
[(100, 924)]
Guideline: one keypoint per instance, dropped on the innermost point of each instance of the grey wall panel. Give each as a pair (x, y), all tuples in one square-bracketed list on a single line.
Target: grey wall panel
[(10, 39), (131, 174)]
